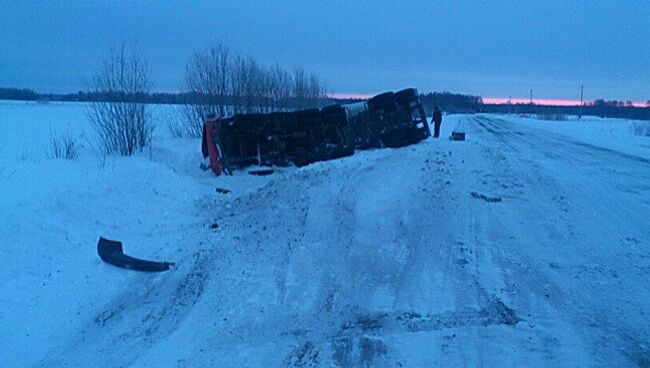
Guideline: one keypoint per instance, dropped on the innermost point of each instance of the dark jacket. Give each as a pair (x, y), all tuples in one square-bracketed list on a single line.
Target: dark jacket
[(437, 116)]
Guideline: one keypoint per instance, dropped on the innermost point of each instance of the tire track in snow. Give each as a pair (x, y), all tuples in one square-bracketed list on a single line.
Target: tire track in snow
[(332, 297), (359, 342), (607, 334)]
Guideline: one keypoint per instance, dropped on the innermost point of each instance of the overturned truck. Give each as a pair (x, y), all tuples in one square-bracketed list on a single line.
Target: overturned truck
[(306, 136)]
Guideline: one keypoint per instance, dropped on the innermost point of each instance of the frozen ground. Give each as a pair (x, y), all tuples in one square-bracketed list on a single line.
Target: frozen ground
[(526, 245)]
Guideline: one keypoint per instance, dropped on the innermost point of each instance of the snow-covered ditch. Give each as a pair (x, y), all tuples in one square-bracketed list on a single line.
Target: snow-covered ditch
[(52, 212)]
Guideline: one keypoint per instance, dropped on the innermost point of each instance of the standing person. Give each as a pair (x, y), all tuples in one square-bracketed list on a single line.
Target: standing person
[(437, 120)]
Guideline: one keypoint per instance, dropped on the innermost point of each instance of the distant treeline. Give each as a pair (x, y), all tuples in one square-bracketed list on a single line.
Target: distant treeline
[(18, 94), (601, 108), (183, 98), (445, 100), (158, 98), (449, 102)]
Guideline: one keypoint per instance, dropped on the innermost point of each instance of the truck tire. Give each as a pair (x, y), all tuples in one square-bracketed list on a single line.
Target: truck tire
[(382, 101), (406, 96)]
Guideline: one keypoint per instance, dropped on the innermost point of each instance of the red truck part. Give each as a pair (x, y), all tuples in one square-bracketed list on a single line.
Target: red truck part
[(208, 146)]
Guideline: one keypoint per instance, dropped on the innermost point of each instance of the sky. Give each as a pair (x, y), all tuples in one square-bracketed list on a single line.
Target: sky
[(495, 49)]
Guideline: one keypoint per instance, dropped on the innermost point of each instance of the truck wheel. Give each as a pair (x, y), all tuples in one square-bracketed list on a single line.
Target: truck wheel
[(382, 101), (406, 96)]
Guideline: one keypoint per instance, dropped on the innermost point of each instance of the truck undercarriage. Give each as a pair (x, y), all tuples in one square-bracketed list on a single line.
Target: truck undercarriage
[(306, 136)]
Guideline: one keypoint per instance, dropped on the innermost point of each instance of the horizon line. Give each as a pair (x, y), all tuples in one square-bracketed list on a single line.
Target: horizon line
[(502, 100), (548, 101), (365, 96)]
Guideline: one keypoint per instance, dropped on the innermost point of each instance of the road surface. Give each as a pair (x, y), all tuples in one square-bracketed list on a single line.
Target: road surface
[(517, 247)]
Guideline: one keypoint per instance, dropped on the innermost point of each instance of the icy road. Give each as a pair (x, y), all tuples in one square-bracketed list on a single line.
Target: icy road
[(518, 247)]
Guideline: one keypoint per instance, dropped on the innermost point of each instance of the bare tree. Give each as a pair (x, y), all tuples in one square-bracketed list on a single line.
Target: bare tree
[(308, 91), (207, 79), (220, 84), (315, 91), (280, 87), (253, 87), (121, 118), (299, 91), (265, 84), (238, 84), (63, 146)]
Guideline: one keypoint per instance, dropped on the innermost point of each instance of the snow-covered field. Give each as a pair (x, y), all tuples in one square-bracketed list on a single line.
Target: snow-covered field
[(526, 245)]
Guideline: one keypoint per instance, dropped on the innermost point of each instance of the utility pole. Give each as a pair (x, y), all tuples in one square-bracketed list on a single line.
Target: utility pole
[(582, 90), (531, 96)]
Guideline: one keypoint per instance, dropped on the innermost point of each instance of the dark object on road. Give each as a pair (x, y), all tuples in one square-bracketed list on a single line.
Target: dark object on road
[(485, 198), (457, 136), (437, 121), (261, 172), (303, 137), (223, 190), (111, 252)]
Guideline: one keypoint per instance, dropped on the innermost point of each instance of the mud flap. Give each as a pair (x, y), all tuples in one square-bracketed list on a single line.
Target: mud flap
[(111, 252)]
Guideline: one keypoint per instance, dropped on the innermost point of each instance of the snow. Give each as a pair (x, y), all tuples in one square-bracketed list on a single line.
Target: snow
[(614, 134), (380, 259)]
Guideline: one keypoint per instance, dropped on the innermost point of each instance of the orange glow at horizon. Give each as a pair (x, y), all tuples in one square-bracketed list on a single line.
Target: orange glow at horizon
[(536, 101), (360, 96)]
